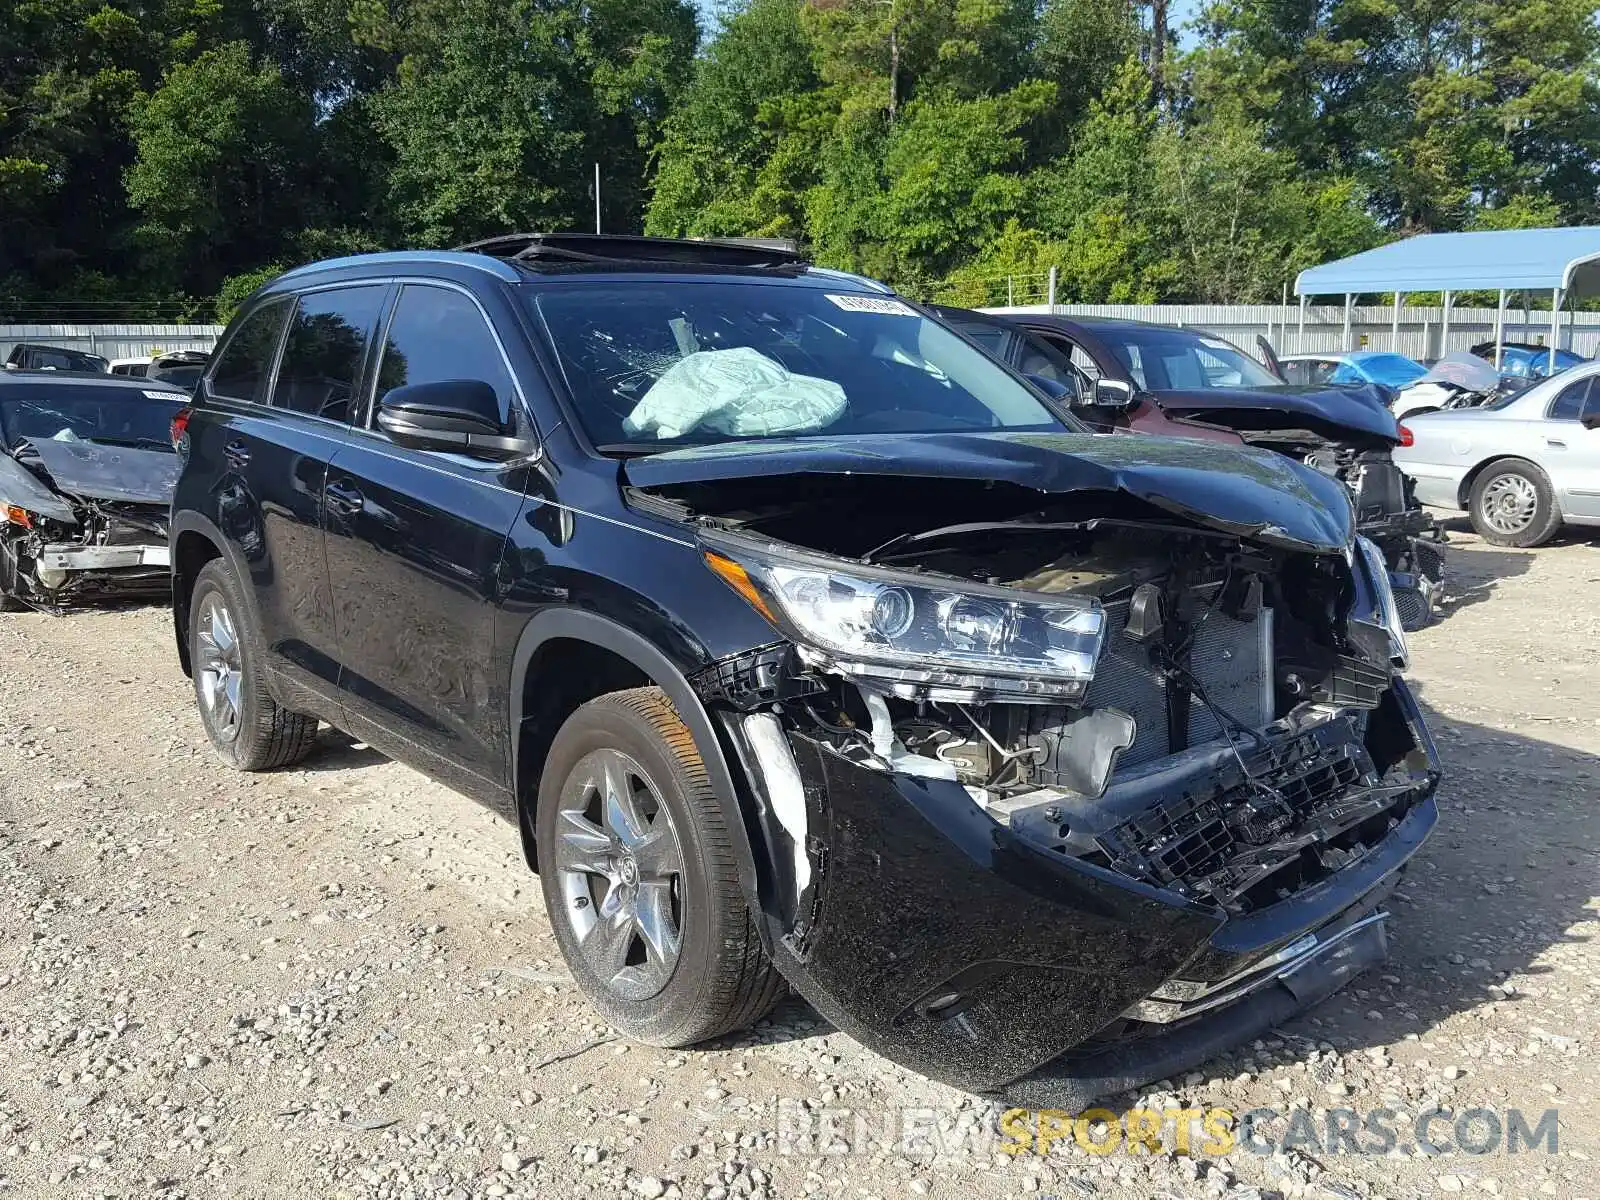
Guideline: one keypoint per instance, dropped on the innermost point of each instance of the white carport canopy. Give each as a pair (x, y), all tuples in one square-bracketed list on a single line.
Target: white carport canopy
[(1564, 262)]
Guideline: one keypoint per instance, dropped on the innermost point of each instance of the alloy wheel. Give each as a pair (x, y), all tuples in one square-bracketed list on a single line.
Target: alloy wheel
[(620, 865), (1509, 504), (219, 669)]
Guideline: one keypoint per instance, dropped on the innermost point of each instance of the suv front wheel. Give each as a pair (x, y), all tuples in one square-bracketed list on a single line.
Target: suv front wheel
[(250, 730), (639, 876)]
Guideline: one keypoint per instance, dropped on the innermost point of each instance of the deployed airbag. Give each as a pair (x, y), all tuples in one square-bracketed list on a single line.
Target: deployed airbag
[(739, 392)]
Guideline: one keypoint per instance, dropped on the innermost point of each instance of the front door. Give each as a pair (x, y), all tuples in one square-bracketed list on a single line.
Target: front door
[(1573, 451), (415, 539)]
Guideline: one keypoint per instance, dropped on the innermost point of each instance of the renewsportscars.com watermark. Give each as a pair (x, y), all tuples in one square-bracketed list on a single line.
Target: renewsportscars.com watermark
[(934, 1133)]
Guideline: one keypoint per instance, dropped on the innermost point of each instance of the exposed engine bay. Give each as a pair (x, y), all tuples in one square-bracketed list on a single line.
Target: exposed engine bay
[(1387, 511), (1235, 744)]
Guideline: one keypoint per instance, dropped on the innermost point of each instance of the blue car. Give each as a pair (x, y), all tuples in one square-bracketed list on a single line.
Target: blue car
[(1389, 370), (1523, 360)]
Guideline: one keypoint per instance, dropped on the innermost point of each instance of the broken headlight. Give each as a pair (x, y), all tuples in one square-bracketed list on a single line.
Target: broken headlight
[(916, 631), (1385, 612)]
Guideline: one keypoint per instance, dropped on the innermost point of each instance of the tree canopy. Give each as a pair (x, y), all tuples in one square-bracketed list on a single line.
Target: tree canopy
[(159, 156)]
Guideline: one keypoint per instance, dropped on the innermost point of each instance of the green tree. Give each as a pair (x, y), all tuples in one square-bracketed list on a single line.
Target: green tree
[(500, 108), (732, 140), (224, 170)]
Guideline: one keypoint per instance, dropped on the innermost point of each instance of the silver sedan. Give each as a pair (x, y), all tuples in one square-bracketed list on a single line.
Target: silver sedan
[(1521, 466)]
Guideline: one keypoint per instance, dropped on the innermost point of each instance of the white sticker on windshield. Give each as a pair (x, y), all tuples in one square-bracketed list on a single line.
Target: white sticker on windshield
[(1216, 343), (881, 305), (165, 395)]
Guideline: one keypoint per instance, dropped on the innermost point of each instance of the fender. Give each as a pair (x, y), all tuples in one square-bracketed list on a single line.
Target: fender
[(579, 625), (190, 521)]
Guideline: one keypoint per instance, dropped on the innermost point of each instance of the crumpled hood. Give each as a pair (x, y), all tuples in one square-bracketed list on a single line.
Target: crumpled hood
[(1236, 489), (109, 472), (1356, 410)]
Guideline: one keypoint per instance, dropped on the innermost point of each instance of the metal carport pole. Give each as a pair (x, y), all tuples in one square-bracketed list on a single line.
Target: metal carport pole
[(1394, 333), (1444, 330), (1344, 344), (1300, 338), (1555, 326), (1500, 330)]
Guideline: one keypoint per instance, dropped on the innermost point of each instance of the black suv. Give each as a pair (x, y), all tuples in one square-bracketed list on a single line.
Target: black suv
[(804, 641)]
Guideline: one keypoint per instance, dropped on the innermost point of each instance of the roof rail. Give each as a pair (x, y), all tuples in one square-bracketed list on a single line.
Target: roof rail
[(619, 247)]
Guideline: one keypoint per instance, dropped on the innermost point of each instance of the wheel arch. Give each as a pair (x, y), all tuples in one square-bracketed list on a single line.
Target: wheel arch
[(195, 541), (634, 661), (1464, 489)]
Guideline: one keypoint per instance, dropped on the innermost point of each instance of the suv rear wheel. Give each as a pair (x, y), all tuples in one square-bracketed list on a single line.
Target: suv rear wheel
[(639, 876), (249, 729)]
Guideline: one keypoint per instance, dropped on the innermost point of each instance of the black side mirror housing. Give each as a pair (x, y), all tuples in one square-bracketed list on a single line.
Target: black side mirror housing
[(1054, 388), (1590, 419), (460, 415), (1112, 393)]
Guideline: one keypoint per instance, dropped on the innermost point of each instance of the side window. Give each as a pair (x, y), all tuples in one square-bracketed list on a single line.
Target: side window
[(439, 334), (323, 353), (1043, 360), (1074, 353), (991, 339), (1297, 372), (1569, 401), (245, 364)]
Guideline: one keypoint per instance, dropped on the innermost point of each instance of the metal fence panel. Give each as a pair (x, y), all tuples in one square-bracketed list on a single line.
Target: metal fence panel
[(113, 341), (1371, 327)]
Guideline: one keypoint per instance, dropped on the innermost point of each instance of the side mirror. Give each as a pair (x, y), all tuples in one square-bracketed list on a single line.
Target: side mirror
[(461, 415), (1053, 388), (1112, 393), (1589, 418)]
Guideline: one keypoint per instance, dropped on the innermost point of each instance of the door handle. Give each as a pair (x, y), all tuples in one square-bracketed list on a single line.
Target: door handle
[(1558, 444), (344, 498), (237, 453)]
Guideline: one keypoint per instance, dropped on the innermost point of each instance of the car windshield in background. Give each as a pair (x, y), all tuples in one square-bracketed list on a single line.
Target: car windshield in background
[(696, 363), (185, 376), (117, 418), (1175, 359), (1392, 370), (1527, 362)]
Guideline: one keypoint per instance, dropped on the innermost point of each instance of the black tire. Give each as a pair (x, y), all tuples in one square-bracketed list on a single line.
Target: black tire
[(1544, 520), (8, 580), (265, 735), (722, 979)]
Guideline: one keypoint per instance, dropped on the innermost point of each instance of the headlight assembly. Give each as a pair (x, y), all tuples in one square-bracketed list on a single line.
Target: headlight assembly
[(1386, 613), (917, 631)]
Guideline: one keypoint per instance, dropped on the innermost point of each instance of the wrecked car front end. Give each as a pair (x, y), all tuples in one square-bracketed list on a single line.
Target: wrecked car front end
[(81, 520), (1097, 764), (1348, 435)]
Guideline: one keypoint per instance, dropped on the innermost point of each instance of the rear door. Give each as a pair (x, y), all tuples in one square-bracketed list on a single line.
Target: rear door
[(415, 539)]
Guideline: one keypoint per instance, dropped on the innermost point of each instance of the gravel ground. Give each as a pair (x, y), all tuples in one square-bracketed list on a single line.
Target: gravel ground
[(339, 981)]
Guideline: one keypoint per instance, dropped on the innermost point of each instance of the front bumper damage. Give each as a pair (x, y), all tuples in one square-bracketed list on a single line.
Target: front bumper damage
[(1003, 953)]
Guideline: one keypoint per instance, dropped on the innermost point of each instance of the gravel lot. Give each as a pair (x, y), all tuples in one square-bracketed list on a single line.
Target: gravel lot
[(339, 981)]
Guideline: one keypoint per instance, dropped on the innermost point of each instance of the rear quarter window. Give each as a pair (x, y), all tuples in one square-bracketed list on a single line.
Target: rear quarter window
[(245, 363)]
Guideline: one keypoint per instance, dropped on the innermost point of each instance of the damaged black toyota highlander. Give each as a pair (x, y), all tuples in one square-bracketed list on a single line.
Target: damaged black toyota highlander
[(806, 642)]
